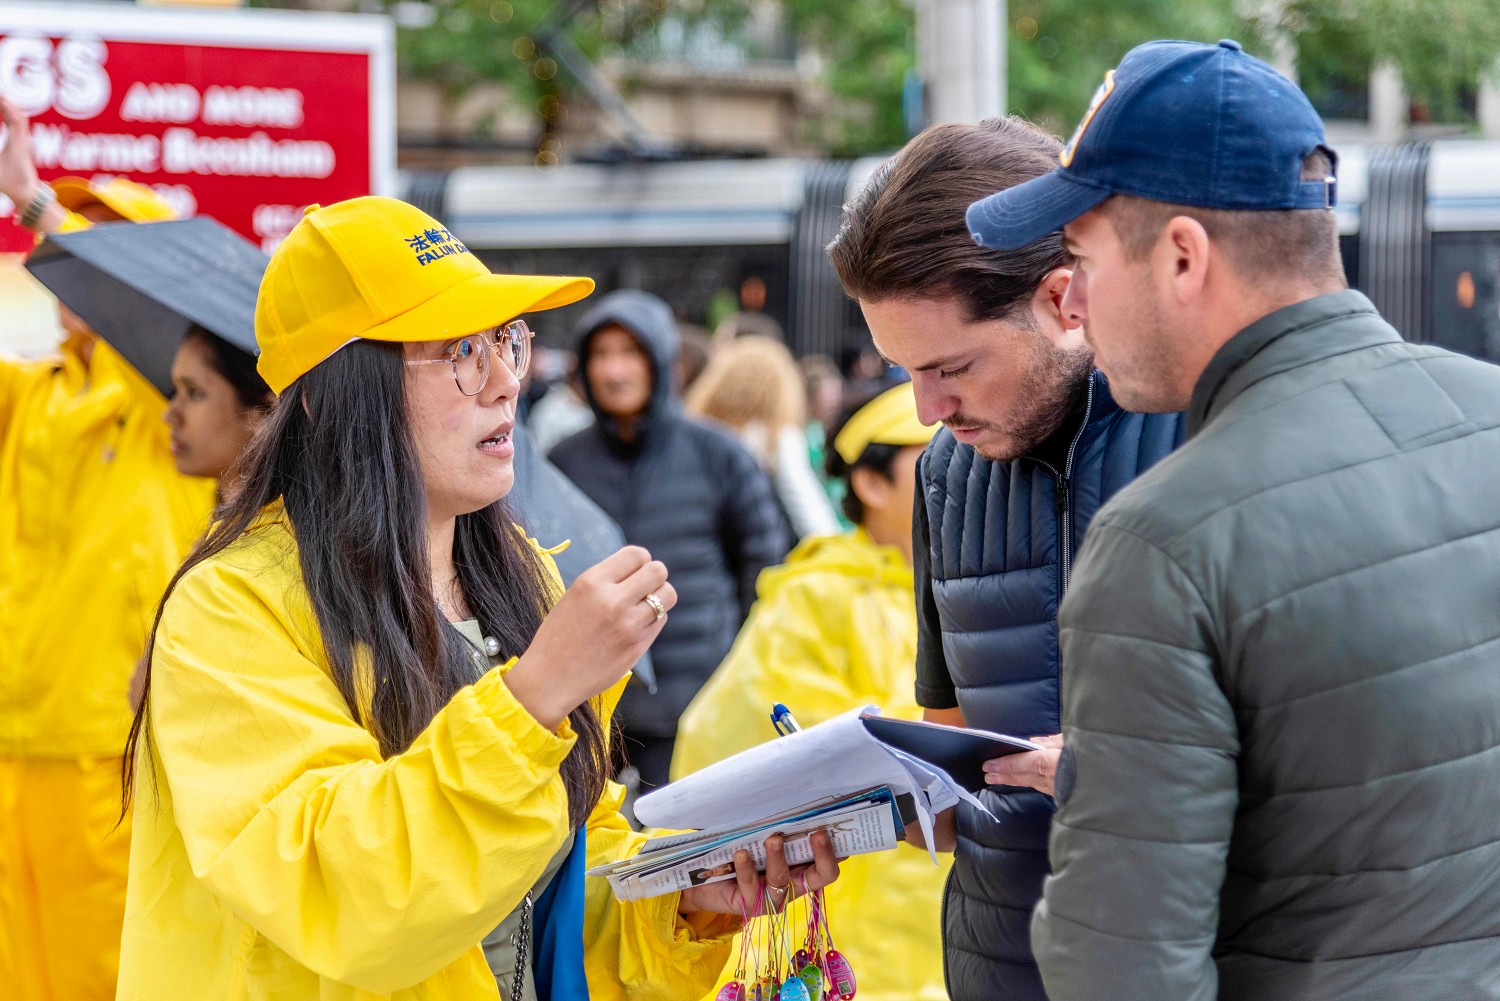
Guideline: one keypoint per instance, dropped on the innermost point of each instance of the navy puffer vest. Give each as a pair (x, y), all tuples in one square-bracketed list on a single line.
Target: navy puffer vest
[(1001, 539)]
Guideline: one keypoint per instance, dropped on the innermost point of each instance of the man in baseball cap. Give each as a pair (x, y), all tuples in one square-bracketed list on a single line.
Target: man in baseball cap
[(1279, 649)]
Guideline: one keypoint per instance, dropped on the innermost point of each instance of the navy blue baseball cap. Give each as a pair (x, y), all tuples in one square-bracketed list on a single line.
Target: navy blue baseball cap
[(1177, 122)]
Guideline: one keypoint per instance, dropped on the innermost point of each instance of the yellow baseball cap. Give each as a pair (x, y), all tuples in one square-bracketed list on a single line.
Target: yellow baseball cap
[(889, 419), (381, 269), (125, 198)]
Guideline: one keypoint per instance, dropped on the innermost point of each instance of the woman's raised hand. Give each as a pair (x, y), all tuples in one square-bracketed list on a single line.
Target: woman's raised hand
[(18, 178), (593, 636)]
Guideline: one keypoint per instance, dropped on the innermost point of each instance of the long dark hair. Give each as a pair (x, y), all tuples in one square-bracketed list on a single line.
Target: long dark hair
[(337, 451)]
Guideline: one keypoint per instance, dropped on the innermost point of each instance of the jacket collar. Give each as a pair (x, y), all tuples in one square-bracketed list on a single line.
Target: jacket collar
[(1102, 405), (1288, 338), (1083, 424)]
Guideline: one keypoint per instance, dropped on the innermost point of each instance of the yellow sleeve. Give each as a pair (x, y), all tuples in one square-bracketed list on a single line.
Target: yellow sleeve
[(11, 372), (72, 223), (375, 873), (644, 950), (18, 381)]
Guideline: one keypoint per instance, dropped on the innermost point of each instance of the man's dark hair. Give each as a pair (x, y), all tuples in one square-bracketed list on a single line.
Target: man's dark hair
[(1289, 243), (905, 234)]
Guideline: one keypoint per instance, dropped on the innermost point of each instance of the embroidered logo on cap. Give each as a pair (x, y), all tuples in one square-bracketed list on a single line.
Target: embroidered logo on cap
[(1105, 89), (433, 244)]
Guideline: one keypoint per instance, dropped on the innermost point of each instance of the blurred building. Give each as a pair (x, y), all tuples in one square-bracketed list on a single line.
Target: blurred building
[(696, 88), (753, 88)]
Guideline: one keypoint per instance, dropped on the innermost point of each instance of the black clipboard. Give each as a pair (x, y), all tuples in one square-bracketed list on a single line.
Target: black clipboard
[(959, 752)]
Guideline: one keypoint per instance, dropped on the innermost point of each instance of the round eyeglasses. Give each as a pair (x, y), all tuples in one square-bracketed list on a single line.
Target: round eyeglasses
[(470, 356)]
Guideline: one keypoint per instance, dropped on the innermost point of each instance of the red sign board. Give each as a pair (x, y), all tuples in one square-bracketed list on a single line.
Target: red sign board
[(246, 116)]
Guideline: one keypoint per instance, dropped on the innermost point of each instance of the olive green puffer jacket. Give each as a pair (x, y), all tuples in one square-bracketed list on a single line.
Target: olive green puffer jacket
[(1281, 687)]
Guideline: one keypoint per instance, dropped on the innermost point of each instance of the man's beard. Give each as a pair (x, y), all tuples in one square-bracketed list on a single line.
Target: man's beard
[(1055, 384)]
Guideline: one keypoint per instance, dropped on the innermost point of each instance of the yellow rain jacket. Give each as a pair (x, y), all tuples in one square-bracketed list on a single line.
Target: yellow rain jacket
[(277, 855), (94, 519), (833, 628)]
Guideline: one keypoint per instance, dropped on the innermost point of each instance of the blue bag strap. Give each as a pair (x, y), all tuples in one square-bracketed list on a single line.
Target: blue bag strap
[(558, 916)]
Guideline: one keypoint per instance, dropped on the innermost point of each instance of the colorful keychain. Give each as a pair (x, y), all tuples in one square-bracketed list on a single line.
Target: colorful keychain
[(735, 990), (836, 968), (796, 987), (769, 969), (807, 961), (767, 984)]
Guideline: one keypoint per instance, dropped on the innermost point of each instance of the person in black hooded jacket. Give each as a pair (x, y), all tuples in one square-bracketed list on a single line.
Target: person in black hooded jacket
[(687, 492)]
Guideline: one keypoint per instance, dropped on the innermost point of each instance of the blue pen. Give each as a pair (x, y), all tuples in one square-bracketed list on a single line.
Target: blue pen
[(783, 721)]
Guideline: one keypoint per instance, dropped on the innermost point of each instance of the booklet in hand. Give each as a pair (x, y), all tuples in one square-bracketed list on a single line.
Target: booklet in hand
[(825, 776), (864, 822)]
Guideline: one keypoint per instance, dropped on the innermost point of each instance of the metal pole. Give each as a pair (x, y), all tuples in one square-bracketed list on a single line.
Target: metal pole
[(961, 58)]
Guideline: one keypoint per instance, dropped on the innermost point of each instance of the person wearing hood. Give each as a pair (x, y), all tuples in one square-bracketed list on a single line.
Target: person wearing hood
[(835, 627), (689, 493)]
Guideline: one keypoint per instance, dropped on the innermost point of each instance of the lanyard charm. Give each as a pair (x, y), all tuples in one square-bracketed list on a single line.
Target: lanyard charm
[(795, 990), (840, 975)]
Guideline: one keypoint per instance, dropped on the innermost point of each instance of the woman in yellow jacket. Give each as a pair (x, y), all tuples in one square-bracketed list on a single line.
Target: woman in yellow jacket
[(833, 628), (97, 508), (367, 744)]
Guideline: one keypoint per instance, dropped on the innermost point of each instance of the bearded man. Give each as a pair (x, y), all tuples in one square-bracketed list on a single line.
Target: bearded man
[(1033, 445)]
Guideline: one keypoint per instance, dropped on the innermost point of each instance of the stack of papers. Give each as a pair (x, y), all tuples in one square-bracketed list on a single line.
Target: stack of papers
[(865, 822), (844, 776)]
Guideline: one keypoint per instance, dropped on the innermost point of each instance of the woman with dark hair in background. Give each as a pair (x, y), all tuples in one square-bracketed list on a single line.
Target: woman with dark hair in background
[(218, 403), (95, 519), (834, 628), (370, 737)]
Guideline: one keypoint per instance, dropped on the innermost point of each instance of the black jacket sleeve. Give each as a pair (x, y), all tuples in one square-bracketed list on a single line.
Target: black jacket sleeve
[(753, 531), (934, 684)]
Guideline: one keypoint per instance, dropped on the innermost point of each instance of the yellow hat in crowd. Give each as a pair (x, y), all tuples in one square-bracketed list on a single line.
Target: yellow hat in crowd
[(889, 419), (125, 198), (381, 269)]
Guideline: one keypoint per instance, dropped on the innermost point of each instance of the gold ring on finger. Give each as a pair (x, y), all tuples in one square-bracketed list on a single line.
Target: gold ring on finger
[(656, 606)]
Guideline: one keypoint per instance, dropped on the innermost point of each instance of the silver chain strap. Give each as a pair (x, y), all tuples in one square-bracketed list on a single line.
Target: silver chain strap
[(521, 941)]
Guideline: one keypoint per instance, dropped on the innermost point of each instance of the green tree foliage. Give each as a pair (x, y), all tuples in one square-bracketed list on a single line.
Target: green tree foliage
[(1442, 48), (869, 52), (1058, 50), (459, 44)]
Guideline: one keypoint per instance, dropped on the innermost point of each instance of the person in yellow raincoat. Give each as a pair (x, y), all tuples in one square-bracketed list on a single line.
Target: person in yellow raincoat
[(833, 628), (371, 762), (94, 517)]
